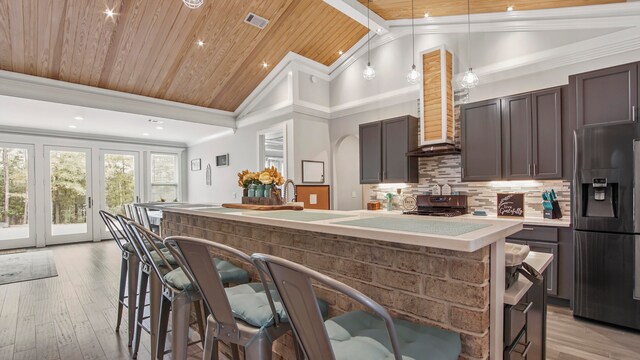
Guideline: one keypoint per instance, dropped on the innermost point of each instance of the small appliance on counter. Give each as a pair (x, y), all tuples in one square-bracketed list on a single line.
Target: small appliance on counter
[(551, 205), (440, 205), (515, 254)]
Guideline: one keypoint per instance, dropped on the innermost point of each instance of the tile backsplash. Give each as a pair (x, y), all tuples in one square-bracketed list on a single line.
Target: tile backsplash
[(481, 195)]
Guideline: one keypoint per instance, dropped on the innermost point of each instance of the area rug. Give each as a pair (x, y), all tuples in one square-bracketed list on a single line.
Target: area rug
[(27, 266)]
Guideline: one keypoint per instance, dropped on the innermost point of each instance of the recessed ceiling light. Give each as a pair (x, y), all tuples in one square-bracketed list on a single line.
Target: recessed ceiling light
[(426, 14), (265, 65), (379, 30), (159, 128), (109, 12), (145, 134), (340, 52), (72, 126), (200, 43), (510, 8), (78, 118)]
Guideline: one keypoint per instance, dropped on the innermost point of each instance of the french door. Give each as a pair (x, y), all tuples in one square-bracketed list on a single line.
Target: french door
[(119, 182), (69, 200), (17, 184)]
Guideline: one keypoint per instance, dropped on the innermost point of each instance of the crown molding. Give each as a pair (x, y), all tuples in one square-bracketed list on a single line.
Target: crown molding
[(90, 137), (44, 89)]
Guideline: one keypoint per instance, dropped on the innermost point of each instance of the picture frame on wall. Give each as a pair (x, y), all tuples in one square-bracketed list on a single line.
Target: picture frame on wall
[(222, 160), (312, 172), (196, 164)]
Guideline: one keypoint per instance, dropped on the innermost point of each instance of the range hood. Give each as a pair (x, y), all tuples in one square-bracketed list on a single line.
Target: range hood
[(437, 119), (435, 150)]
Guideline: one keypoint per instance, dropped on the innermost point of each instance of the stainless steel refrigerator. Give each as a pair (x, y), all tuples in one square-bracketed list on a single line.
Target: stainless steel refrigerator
[(606, 219)]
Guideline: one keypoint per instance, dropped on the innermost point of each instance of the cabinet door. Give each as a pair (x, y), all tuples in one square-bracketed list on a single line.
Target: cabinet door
[(481, 141), (371, 153), (516, 137), (395, 144), (547, 133), (552, 270), (607, 96)]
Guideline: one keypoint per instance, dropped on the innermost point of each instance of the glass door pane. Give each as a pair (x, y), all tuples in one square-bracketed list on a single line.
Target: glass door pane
[(69, 192), (16, 224), (119, 183)]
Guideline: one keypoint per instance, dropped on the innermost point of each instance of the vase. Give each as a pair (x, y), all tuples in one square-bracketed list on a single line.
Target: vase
[(268, 189), (252, 190), (245, 192), (260, 190)]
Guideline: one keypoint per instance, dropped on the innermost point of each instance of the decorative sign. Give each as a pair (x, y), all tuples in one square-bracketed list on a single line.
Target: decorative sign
[(409, 203), (511, 205)]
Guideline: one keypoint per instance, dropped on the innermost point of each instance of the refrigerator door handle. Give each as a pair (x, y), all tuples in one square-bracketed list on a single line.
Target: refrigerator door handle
[(636, 186), (636, 275)]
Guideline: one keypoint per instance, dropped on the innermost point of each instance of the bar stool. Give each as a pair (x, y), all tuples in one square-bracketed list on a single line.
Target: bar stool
[(142, 218), (128, 272), (178, 293), (356, 334), (244, 315)]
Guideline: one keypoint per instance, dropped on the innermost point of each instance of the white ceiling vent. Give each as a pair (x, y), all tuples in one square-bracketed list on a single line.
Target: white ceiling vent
[(256, 21)]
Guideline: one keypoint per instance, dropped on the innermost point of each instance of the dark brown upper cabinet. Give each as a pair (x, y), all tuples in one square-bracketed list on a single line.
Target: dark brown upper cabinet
[(516, 137), (383, 151), (371, 153), (529, 143), (605, 97), (546, 140), (481, 139)]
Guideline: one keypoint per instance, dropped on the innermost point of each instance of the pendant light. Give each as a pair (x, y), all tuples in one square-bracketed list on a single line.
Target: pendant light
[(369, 73), (193, 4), (413, 76), (470, 79)]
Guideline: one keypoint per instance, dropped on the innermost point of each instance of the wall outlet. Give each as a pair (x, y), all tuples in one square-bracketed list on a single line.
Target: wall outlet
[(354, 195), (235, 195), (313, 199)]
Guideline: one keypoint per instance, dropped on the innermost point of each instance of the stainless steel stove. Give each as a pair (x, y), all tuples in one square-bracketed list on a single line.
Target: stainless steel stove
[(440, 205)]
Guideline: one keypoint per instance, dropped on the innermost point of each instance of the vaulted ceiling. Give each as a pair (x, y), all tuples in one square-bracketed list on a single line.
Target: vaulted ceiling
[(150, 46), (401, 9)]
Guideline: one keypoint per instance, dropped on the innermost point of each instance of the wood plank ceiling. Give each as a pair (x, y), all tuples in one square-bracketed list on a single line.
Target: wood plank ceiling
[(401, 9), (150, 46)]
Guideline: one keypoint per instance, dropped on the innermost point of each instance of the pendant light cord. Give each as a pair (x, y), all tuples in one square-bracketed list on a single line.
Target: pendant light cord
[(368, 36), (469, 33), (413, 38)]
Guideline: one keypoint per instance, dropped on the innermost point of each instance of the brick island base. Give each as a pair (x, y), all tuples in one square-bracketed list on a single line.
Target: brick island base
[(443, 288)]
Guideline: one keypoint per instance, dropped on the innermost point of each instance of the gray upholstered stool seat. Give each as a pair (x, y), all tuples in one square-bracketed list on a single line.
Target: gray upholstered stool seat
[(359, 335), (249, 303), (167, 255), (229, 274), (127, 246)]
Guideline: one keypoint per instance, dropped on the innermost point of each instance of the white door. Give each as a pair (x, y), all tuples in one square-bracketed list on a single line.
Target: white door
[(17, 210), (69, 201), (119, 184)]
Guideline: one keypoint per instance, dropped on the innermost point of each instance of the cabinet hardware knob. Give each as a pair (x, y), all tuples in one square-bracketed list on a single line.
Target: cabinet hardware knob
[(528, 229), (524, 309), (634, 115)]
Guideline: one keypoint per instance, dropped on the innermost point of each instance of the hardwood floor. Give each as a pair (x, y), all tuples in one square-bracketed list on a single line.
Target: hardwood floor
[(73, 316)]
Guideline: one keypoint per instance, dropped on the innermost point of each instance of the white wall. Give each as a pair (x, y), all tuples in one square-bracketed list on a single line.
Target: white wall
[(311, 142), (347, 188)]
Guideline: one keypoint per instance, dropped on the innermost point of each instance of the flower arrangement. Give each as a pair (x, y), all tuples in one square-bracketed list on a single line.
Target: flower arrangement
[(268, 176)]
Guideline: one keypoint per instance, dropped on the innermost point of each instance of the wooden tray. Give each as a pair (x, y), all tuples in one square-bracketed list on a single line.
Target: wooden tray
[(262, 207)]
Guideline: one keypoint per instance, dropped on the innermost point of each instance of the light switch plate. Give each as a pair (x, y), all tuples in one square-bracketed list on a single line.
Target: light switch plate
[(313, 199), (354, 195)]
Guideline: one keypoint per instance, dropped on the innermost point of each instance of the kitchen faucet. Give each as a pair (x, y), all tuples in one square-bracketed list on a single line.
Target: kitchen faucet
[(285, 191)]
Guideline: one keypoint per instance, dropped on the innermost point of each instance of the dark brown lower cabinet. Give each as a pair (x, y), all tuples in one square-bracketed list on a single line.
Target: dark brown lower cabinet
[(525, 325)]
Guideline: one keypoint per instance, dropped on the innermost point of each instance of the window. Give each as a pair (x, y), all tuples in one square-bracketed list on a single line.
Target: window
[(164, 177)]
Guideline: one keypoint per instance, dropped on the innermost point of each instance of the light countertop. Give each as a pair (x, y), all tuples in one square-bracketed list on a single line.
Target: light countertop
[(460, 234), (539, 261), (564, 222)]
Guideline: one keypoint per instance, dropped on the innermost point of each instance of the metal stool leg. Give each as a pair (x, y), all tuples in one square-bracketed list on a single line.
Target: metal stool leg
[(132, 278), (259, 349), (163, 324), (154, 308), (180, 311), (200, 319), (142, 299), (210, 346), (123, 284)]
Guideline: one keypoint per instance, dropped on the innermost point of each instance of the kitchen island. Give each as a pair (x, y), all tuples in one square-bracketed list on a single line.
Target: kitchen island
[(445, 272)]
